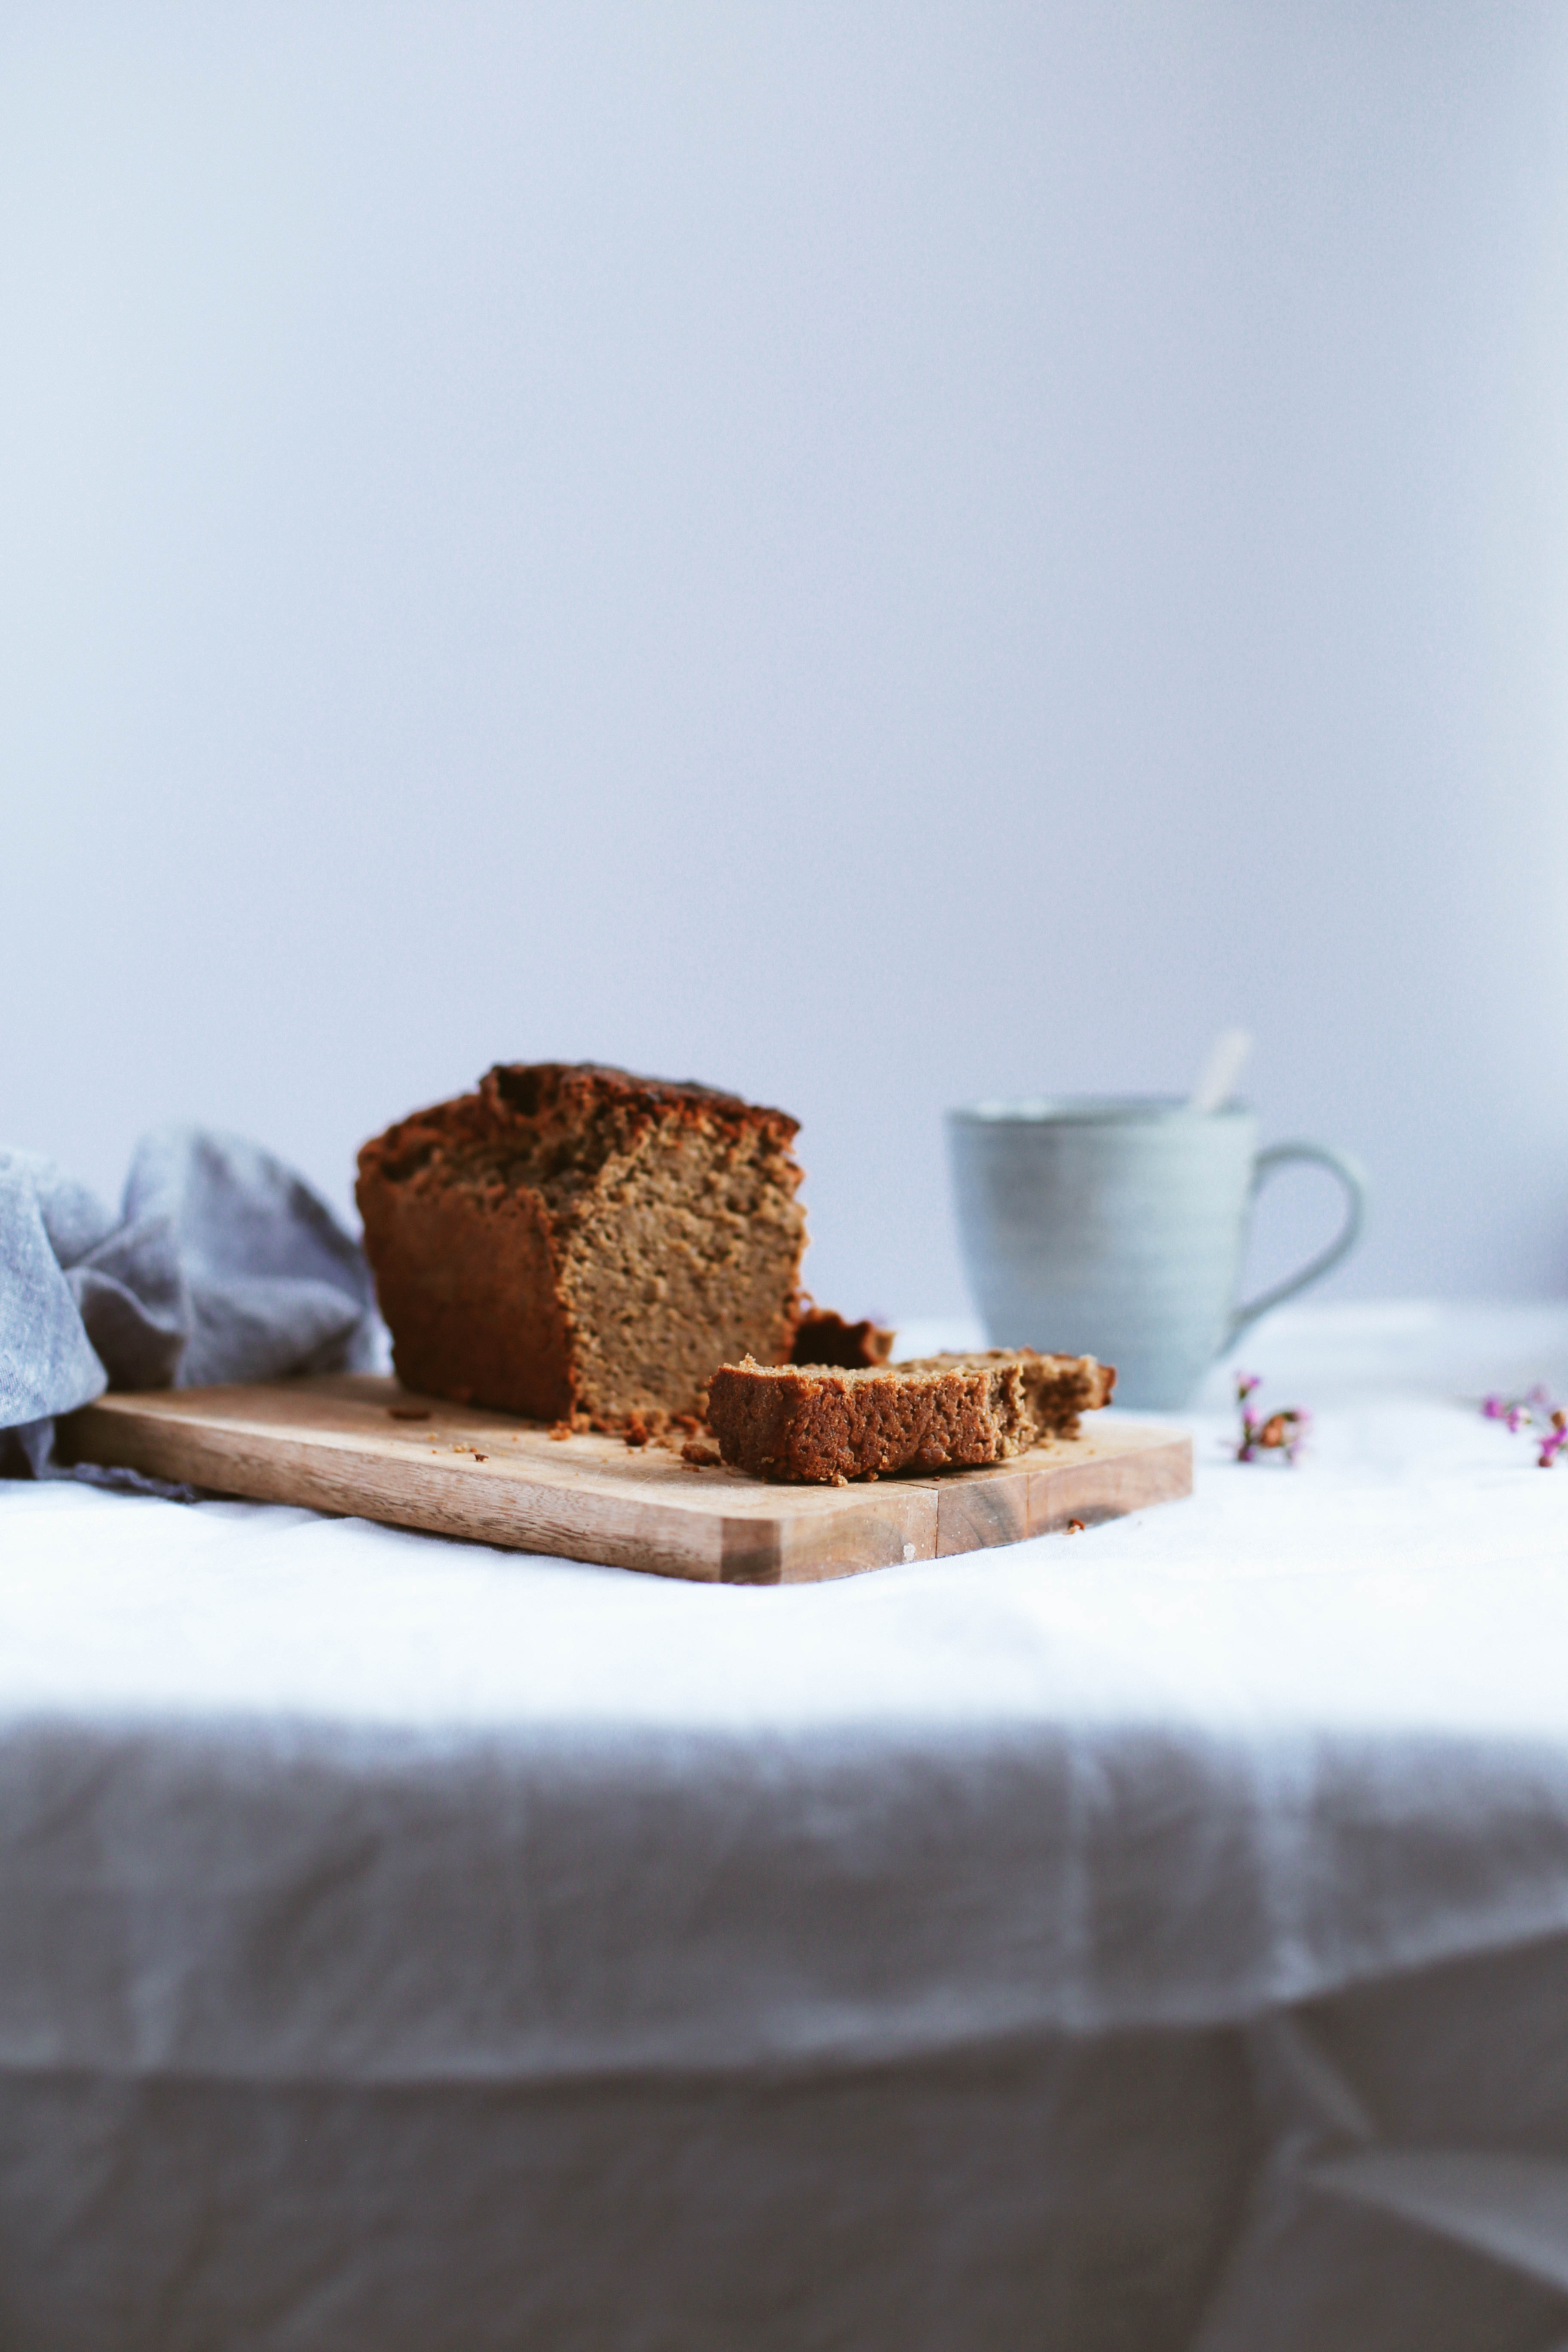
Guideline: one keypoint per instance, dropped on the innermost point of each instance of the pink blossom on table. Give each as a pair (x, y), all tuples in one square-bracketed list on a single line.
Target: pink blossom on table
[(1547, 1422), (1282, 1435)]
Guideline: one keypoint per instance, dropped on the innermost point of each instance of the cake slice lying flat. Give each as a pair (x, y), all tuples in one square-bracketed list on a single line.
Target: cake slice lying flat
[(824, 1427)]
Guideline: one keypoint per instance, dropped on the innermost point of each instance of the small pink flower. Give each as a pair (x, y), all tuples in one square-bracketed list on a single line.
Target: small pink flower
[(1275, 1433), (1536, 1411)]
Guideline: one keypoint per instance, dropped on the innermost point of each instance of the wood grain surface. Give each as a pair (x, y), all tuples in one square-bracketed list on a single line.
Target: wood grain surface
[(350, 1444)]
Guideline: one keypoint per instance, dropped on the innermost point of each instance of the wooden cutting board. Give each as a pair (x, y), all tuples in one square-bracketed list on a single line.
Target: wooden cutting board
[(345, 1444)]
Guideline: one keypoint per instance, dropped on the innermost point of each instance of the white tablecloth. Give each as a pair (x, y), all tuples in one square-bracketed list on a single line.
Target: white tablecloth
[(1157, 1935)]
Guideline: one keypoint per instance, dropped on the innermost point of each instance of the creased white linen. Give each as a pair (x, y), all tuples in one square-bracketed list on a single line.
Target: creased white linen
[(1094, 1843)]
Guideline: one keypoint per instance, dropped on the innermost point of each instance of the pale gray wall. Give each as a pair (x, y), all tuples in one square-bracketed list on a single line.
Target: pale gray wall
[(868, 554)]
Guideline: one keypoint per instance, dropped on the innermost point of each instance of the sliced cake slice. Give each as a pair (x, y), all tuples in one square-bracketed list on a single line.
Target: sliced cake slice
[(824, 1427)]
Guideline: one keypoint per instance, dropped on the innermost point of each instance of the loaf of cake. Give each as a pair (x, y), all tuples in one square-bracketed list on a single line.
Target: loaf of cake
[(577, 1245), (825, 1427)]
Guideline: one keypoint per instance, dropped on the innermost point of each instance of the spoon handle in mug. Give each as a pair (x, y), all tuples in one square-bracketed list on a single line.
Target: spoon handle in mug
[(1352, 1176)]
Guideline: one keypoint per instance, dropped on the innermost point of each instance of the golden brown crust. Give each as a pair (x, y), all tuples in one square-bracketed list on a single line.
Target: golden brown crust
[(527, 1105), (466, 1284), (826, 1426)]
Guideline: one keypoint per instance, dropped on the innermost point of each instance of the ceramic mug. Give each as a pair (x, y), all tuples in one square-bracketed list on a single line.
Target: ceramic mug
[(1115, 1227)]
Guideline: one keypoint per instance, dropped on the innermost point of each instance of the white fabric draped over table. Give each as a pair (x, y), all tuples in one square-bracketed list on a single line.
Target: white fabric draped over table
[(1152, 1937)]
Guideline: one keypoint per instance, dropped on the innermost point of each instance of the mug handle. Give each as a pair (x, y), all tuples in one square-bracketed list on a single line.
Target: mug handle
[(1352, 1176)]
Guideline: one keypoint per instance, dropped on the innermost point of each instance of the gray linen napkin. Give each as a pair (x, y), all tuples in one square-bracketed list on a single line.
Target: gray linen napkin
[(222, 1266)]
